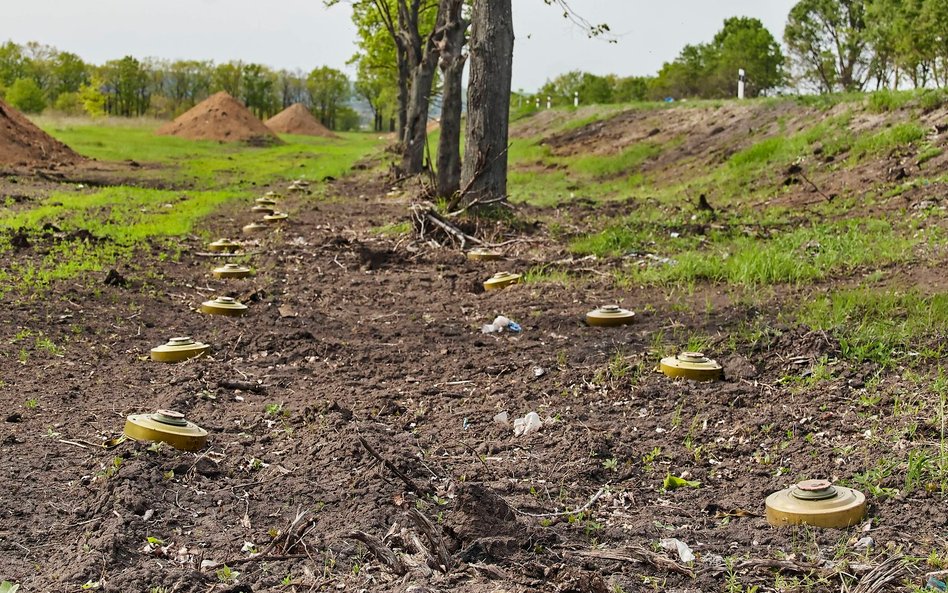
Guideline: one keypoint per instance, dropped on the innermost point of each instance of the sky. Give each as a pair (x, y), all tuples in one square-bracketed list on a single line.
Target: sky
[(304, 34)]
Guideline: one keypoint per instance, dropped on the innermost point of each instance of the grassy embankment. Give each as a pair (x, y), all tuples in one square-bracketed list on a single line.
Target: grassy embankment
[(756, 241)]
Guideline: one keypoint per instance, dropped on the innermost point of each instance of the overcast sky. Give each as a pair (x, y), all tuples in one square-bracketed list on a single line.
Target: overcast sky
[(304, 34)]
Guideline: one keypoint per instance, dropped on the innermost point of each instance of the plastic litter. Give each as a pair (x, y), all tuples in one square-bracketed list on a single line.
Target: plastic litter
[(935, 584), (527, 425), (500, 324), (502, 418), (673, 544)]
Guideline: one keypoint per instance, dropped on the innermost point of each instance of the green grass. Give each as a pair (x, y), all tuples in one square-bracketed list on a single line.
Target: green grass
[(883, 326), (122, 220), (213, 165), (896, 136), (803, 255)]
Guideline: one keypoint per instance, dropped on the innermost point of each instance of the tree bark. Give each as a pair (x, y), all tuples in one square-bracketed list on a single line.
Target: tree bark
[(404, 72), (452, 67), (422, 61), (413, 141), (488, 101)]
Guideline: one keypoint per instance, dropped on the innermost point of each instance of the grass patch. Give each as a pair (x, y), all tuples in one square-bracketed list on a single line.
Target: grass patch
[(886, 100), (802, 255), (896, 136), (393, 229), (883, 326), (213, 165), (115, 223)]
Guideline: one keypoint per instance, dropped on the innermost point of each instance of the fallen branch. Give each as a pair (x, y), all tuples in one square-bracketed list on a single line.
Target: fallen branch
[(412, 485), (592, 500), (381, 552), (879, 577), (638, 554), (445, 561), (818, 190), (423, 214)]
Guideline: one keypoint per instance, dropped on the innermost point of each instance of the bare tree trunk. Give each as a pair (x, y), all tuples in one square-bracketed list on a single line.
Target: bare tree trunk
[(413, 141), (452, 67), (488, 101), (403, 76), (422, 61)]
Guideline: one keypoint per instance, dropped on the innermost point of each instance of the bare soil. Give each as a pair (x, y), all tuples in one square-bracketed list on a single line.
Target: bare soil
[(223, 118), (297, 119), (354, 337), (358, 343)]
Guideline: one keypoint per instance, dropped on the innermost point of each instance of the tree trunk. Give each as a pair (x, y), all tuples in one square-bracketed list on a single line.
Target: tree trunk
[(452, 67), (488, 101), (413, 141), (422, 59), (404, 72)]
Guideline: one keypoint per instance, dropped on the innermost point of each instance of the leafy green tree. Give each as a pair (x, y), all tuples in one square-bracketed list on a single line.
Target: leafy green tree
[(69, 104), (291, 88), (630, 88), (92, 97), (26, 95), (13, 64), (933, 26), (745, 43), (329, 90), (684, 77), (69, 73), (127, 87), (829, 43), (710, 70), (229, 78), (186, 82), (590, 88), (258, 90)]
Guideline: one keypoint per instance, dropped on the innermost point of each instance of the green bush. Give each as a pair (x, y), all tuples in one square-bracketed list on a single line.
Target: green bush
[(26, 95)]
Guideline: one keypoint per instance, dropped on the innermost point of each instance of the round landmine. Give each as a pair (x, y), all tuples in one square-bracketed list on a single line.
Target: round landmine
[(224, 246), (254, 228), (260, 209), (817, 503), (275, 218), (178, 349), (271, 195), (224, 305), (484, 255), (691, 365), (231, 271), (610, 316), (501, 280), (266, 201), (168, 426)]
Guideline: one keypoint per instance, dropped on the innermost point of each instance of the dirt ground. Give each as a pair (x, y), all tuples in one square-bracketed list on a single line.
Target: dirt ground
[(355, 341)]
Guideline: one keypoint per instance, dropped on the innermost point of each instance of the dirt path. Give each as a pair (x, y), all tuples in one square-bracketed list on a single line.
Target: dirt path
[(354, 336)]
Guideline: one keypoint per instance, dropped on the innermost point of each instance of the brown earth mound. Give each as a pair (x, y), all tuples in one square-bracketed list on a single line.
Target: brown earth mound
[(297, 119), (220, 117), (22, 144)]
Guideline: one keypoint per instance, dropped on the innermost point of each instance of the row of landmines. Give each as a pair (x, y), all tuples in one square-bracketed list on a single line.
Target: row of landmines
[(816, 503)]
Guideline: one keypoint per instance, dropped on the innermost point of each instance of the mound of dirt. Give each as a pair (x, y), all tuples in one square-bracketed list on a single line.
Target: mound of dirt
[(297, 119), (223, 118), (22, 144)]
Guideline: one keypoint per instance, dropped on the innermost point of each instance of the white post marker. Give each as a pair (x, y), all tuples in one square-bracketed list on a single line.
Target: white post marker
[(538, 102), (549, 102), (575, 98), (740, 83)]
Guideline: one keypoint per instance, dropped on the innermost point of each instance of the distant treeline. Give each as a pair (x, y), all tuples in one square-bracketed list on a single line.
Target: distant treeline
[(831, 46), (34, 77)]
